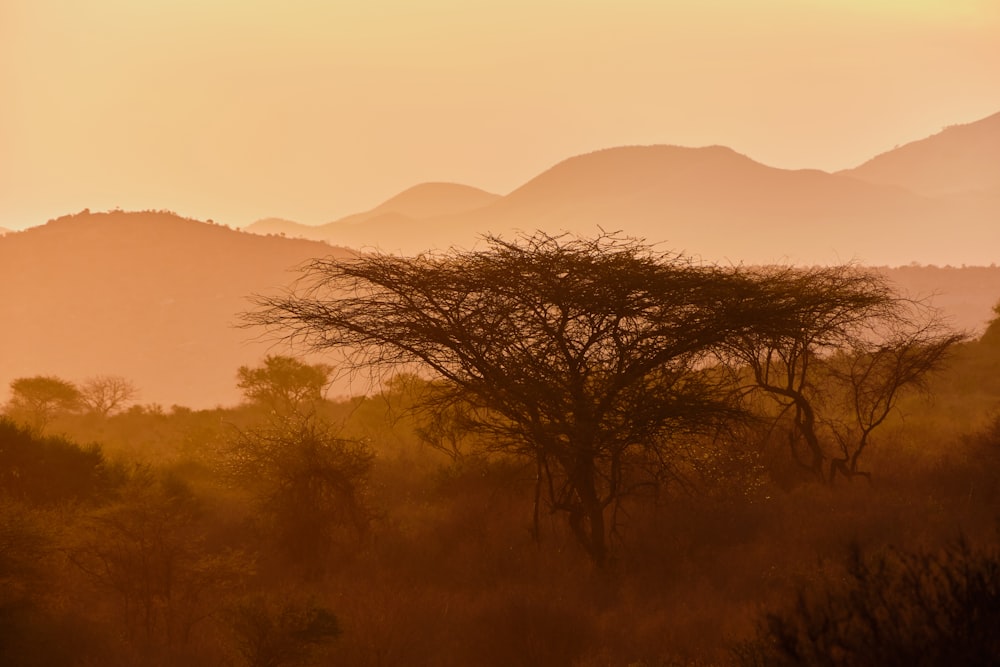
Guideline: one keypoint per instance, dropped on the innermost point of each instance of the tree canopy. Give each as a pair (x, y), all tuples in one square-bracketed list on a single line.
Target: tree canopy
[(586, 356), (575, 351), (284, 384), (38, 399)]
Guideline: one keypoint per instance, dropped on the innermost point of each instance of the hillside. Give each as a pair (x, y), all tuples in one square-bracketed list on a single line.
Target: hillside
[(966, 295), (280, 227), (720, 205), (154, 297), (426, 200), (149, 296), (959, 159), (723, 206)]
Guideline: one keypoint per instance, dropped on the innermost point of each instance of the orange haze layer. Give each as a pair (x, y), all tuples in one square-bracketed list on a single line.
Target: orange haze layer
[(310, 110)]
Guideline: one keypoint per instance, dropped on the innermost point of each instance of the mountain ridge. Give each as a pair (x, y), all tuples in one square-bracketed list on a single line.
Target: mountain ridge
[(722, 205), (151, 296), (155, 297), (424, 200), (959, 158)]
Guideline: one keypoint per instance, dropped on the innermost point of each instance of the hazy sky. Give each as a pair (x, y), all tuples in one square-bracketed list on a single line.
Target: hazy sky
[(309, 110)]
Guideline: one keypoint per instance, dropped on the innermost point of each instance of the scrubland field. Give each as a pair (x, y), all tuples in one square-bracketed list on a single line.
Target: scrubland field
[(293, 530)]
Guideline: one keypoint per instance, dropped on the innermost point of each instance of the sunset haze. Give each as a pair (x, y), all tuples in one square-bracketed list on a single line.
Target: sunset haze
[(311, 111)]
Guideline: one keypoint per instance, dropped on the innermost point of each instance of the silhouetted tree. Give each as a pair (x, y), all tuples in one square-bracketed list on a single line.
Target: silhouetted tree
[(446, 425), (45, 470), (283, 384), (574, 353), (148, 550), (309, 483), (882, 344), (107, 394), (992, 334), (873, 375), (36, 400)]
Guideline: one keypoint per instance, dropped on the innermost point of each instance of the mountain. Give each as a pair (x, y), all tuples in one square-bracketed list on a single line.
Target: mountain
[(155, 297), (965, 295), (959, 159), (280, 227), (429, 200), (149, 296), (710, 202), (426, 200), (718, 204)]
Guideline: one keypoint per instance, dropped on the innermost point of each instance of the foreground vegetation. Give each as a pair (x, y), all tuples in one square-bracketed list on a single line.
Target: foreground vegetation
[(154, 548), (410, 527)]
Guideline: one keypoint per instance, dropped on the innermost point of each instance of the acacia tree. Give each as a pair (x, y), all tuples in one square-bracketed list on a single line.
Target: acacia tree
[(107, 394), (36, 400), (873, 375), (148, 549), (310, 486), (846, 336), (284, 385), (579, 354)]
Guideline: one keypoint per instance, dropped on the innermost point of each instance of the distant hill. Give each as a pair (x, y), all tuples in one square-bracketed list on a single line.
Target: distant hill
[(426, 200), (965, 295), (280, 227), (4, 230), (429, 200), (959, 159), (154, 297), (149, 296), (715, 203), (720, 205)]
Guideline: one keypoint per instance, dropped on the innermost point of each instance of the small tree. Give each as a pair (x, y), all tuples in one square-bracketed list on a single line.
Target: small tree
[(848, 334), (871, 378), (149, 551), (107, 394), (284, 385), (47, 470), (310, 485), (36, 400), (992, 334), (446, 425)]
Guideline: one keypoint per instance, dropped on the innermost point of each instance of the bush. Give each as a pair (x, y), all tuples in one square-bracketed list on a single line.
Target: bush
[(269, 634), (894, 608), (49, 470)]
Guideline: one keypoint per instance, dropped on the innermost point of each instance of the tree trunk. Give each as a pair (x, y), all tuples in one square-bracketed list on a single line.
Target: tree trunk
[(587, 518)]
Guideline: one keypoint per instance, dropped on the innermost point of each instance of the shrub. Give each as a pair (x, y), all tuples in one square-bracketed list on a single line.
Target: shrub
[(893, 608), (48, 470)]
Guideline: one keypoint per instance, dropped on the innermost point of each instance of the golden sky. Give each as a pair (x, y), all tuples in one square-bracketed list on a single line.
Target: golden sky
[(307, 109)]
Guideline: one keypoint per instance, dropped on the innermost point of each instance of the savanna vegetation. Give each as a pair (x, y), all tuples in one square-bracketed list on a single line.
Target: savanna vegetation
[(575, 452)]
